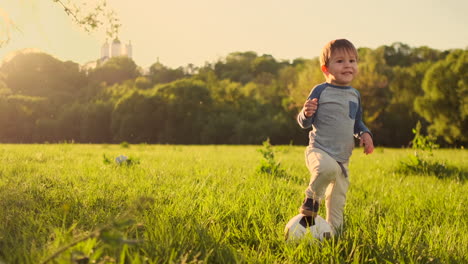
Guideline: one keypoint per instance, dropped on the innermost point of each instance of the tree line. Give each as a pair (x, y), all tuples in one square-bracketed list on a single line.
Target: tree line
[(243, 98)]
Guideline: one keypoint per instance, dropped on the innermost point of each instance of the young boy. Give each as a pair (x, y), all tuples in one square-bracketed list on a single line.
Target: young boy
[(333, 110)]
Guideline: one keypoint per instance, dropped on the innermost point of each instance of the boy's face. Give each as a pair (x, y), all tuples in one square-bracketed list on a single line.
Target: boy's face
[(342, 68)]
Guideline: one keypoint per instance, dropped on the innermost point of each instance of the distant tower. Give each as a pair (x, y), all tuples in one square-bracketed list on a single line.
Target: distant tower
[(116, 49), (105, 50), (128, 49)]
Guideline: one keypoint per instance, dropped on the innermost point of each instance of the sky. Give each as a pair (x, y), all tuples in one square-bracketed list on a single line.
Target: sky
[(179, 32)]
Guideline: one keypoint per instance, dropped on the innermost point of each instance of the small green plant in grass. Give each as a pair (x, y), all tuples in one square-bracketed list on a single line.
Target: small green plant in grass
[(423, 146), (422, 143), (420, 162), (106, 159), (269, 165), (125, 144)]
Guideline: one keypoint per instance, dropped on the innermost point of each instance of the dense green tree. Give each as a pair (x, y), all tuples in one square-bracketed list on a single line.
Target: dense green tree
[(397, 54), (136, 118), (264, 89), (96, 122), (39, 74), (236, 67), (187, 103), (308, 74), (4, 90), (426, 54), (242, 99), (445, 100), (400, 116), (69, 122), (400, 54), (292, 102), (159, 74), (372, 83), (143, 82), (221, 91), (170, 113), (63, 125), (17, 117), (265, 64), (115, 70), (117, 91), (224, 112)]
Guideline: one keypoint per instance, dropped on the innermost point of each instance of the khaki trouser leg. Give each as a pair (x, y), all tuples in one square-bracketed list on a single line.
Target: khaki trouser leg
[(335, 198), (327, 179)]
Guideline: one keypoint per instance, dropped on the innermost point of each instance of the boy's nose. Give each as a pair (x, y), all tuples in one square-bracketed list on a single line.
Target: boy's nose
[(347, 64)]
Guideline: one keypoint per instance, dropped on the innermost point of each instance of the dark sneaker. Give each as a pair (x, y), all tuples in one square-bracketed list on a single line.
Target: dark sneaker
[(309, 207), (307, 221)]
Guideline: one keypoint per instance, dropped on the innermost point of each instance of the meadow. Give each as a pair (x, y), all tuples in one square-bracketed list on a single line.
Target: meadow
[(71, 203)]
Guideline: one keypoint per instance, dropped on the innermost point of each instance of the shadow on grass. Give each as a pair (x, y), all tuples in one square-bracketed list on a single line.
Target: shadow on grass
[(441, 170)]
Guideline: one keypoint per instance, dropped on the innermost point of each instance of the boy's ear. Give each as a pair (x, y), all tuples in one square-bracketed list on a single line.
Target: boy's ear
[(324, 69)]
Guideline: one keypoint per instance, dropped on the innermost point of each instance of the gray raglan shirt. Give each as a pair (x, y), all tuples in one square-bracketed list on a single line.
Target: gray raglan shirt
[(338, 117)]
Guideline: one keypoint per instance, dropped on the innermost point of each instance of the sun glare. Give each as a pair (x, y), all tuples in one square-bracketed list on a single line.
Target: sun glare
[(13, 54), (5, 25)]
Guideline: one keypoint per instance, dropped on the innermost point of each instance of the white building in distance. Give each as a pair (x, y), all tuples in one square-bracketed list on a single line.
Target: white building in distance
[(115, 49), (109, 51)]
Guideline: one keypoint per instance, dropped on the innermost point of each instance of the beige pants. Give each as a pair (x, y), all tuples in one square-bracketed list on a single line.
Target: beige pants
[(327, 180)]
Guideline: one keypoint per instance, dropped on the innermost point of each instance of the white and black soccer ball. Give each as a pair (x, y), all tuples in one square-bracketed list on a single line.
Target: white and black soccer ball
[(301, 226), (121, 159)]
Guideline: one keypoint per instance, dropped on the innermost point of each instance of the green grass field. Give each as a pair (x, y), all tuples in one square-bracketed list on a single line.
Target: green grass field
[(208, 204)]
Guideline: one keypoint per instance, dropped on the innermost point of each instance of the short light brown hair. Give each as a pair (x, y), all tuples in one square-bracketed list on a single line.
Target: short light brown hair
[(334, 45)]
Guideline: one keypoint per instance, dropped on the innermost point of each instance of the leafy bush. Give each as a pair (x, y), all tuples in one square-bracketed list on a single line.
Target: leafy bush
[(269, 165), (422, 163)]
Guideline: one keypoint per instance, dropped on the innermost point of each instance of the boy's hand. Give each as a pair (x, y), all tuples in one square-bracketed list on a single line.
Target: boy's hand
[(366, 141), (310, 107)]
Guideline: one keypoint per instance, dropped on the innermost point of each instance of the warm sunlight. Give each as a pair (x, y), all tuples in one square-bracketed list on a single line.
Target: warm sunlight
[(233, 131), (5, 27), (182, 32)]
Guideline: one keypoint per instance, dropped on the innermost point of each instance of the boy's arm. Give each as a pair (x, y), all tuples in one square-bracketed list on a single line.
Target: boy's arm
[(302, 119), (306, 117), (362, 132), (359, 126), (367, 142)]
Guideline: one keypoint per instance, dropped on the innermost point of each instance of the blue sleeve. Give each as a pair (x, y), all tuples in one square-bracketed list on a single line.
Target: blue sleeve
[(302, 120), (359, 126)]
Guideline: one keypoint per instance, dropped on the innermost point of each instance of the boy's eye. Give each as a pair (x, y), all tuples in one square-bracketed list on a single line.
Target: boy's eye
[(352, 61), (339, 61)]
